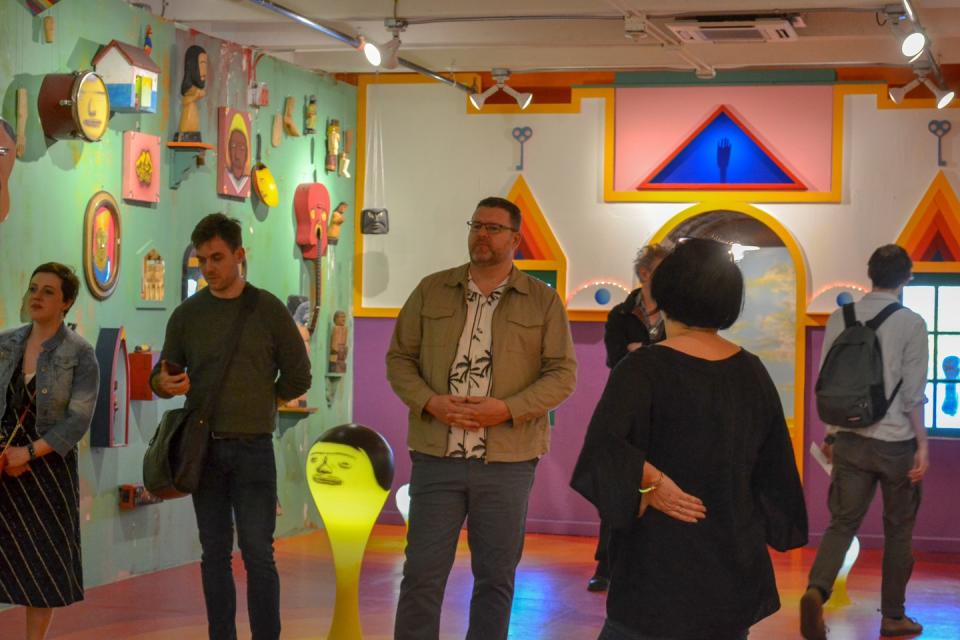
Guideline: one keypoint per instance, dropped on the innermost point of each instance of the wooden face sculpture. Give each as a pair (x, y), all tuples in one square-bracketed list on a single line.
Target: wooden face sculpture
[(311, 203), (8, 156)]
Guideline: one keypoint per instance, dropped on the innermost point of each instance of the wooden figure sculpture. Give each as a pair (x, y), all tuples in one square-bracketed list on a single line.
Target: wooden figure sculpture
[(192, 89), (152, 281), (338, 343), (310, 124), (333, 145), (289, 125), (350, 471), (336, 220), (343, 168)]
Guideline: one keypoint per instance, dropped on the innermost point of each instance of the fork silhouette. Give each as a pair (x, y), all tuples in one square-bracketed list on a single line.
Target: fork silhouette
[(724, 148)]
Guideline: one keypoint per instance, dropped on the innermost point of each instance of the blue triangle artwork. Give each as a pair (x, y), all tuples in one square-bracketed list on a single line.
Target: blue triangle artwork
[(722, 154)]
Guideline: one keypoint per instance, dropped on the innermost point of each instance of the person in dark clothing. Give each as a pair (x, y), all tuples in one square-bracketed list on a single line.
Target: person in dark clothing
[(238, 485), (696, 412), (634, 323)]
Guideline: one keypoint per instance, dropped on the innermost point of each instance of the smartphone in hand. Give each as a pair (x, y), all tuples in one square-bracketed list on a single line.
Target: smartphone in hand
[(173, 368)]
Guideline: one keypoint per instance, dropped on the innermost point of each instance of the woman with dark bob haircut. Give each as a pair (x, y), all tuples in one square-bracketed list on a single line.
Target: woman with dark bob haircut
[(688, 459), (49, 379)]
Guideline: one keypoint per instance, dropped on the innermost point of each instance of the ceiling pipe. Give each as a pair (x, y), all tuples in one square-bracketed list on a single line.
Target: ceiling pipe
[(355, 43), (307, 22)]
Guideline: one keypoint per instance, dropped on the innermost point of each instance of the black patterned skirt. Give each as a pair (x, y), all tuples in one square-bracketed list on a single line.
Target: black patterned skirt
[(40, 562)]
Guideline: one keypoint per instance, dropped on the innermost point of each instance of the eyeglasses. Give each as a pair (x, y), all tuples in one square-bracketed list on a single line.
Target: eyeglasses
[(491, 227)]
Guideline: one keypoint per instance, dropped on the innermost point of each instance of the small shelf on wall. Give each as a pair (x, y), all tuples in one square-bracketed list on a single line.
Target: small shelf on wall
[(289, 417), (303, 411), (185, 157)]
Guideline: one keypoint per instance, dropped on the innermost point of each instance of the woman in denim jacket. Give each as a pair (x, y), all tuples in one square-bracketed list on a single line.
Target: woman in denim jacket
[(49, 380)]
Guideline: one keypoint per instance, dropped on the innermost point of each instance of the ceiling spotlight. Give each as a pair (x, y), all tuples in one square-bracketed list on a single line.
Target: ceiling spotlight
[(943, 96), (477, 99), (897, 94), (523, 99), (913, 44), (391, 53), (370, 51), (500, 78)]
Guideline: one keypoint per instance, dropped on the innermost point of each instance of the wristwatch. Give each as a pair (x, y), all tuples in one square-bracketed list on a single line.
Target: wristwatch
[(829, 439), (33, 454)]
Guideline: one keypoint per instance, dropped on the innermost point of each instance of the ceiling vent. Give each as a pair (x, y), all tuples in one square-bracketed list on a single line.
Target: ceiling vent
[(744, 30)]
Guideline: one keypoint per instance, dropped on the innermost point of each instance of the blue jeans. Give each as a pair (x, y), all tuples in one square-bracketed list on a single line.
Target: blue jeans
[(239, 485), (444, 492), (613, 630)]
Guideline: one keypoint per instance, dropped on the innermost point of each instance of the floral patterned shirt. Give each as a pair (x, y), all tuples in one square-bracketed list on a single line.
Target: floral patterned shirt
[(472, 370)]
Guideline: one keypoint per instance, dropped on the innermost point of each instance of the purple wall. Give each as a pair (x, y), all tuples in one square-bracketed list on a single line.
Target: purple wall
[(936, 528), (555, 508)]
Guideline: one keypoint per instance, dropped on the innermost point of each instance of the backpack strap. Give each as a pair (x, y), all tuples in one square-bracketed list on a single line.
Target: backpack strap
[(875, 323), (887, 311), (849, 317)]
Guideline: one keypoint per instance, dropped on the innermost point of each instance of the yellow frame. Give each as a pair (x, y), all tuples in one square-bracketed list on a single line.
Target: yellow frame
[(796, 424)]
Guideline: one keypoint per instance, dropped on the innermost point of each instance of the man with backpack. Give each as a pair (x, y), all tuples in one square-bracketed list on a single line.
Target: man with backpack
[(871, 394)]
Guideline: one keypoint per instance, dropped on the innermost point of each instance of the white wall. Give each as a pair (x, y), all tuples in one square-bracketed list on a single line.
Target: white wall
[(438, 162)]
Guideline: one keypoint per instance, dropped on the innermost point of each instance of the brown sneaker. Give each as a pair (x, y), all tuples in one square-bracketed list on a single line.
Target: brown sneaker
[(811, 615), (903, 627)]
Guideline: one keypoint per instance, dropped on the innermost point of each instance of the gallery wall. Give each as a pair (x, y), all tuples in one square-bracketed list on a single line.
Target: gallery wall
[(440, 157), (50, 188)]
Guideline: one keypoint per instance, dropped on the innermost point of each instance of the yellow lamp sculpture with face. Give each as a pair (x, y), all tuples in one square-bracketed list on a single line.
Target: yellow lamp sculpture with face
[(350, 470)]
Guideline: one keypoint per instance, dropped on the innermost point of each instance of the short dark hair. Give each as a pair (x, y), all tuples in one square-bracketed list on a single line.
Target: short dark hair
[(889, 267), (369, 441), (494, 202), (69, 282), (218, 225), (699, 284), (649, 255)]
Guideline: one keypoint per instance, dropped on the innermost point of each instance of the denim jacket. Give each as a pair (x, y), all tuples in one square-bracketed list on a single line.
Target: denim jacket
[(68, 381)]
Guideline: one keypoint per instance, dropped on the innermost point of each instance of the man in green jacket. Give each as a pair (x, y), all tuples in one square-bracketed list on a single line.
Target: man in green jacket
[(480, 353)]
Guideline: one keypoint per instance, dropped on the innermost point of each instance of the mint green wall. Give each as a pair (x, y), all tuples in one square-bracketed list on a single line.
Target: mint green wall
[(50, 188)]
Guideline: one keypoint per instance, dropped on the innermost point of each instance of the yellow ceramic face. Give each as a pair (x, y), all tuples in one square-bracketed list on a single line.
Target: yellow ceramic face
[(343, 485), (93, 107)]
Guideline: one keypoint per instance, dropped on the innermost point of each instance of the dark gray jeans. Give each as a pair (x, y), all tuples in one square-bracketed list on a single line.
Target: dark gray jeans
[(444, 492), (858, 465)]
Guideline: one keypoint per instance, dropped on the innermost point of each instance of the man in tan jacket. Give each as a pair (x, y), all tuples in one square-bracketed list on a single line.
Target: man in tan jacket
[(481, 353)]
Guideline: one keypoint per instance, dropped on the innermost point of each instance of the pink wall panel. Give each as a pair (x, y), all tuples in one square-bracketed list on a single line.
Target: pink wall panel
[(793, 122)]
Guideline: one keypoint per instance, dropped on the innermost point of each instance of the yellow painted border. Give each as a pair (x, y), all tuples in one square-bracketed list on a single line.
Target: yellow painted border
[(800, 267)]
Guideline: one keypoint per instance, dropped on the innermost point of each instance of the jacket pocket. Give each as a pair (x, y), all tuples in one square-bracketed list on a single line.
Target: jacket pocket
[(524, 334), (436, 324)]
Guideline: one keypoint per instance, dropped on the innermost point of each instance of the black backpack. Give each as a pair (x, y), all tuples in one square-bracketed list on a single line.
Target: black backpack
[(850, 390)]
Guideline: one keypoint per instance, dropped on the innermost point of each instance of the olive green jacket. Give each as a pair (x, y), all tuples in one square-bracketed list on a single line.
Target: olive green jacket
[(534, 368)]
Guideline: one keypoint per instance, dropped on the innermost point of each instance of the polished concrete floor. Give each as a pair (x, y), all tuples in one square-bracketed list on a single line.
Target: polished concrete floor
[(551, 600)]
